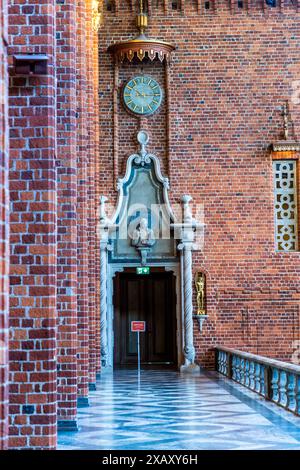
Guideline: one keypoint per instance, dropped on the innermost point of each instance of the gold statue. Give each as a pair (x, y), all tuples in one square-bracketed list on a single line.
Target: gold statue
[(200, 288), (286, 115)]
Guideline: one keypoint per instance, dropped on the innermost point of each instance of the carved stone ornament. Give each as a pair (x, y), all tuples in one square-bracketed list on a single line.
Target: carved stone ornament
[(150, 164), (142, 158), (286, 144), (143, 239)]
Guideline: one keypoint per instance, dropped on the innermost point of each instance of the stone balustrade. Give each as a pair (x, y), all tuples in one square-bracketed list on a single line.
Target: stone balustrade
[(276, 381)]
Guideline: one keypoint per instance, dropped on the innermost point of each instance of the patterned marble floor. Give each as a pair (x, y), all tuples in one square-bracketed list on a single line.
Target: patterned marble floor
[(169, 411)]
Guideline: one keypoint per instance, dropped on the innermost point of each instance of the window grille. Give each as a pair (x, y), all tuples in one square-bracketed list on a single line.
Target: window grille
[(285, 193)]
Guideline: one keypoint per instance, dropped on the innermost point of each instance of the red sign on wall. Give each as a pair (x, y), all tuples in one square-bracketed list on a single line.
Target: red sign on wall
[(138, 326)]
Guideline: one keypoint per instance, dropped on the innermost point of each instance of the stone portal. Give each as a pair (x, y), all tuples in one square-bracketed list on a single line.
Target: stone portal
[(144, 230)]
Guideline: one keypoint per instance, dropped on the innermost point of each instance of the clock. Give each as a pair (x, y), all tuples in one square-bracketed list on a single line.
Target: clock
[(142, 95)]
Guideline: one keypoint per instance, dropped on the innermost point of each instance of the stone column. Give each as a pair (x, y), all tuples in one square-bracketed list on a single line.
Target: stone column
[(103, 302), (188, 228), (189, 350), (187, 281), (104, 248)]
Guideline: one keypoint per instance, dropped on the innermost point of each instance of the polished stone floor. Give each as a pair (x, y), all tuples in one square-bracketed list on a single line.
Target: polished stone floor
[(169, 411)]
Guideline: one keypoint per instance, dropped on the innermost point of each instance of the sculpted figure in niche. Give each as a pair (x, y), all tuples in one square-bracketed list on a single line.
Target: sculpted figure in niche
[(143, 236)]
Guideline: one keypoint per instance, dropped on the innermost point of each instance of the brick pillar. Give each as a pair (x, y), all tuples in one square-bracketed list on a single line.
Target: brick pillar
[(82, 209), (91, 199), (33, 232), (4, 235), (98, 192), (66, 221)]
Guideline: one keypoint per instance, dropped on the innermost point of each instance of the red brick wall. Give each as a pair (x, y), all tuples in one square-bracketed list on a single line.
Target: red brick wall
[(230, 75), (98, 189), (38, 228), (92, 114), (33, 231), (54, 142), (67, 220), (4, 232), (88, 352), (82, 206)]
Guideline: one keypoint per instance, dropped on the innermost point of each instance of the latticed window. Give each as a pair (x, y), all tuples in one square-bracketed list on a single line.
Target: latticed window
[(285, 188)]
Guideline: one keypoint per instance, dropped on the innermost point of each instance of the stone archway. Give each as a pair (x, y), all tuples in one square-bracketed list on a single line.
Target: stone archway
[(143, 229)]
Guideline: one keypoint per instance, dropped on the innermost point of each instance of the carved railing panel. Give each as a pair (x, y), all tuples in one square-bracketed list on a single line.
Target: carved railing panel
[(277, 381)]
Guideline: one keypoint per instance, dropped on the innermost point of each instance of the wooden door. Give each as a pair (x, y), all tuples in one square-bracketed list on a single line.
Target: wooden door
[(152, 299)]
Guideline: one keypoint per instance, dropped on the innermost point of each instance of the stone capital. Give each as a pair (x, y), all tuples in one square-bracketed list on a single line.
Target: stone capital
[(105, 245), (186, 246)]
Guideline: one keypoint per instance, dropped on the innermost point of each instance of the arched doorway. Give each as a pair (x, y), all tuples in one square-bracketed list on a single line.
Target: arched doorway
[(143, 231), (150, 298)]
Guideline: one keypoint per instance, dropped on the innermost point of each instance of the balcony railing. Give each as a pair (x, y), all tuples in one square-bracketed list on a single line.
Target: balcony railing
[(277, 381)]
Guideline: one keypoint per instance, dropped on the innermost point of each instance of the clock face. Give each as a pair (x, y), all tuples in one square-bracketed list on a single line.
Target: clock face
[(142, 95)]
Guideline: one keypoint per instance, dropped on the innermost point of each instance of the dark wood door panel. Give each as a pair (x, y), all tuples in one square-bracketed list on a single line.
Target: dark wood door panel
[(132, 309), (152, 299), (160, 319)]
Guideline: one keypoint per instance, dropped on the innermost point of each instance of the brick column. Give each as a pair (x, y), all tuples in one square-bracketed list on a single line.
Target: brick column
[(33, 232), (4, 235), (66, 222), (91, 199), (98, 192), (82, 210)]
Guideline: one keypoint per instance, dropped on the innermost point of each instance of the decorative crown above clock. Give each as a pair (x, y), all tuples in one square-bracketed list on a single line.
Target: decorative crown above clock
[(142, 47)]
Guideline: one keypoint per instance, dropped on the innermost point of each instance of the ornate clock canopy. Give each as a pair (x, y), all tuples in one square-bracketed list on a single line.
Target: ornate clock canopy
[(141, 102), (142, 47)]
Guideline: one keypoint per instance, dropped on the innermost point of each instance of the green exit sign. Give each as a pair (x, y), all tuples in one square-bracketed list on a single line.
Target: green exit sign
[(143, 270)]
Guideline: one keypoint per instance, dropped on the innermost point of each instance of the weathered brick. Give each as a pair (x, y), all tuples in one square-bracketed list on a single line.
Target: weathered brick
[(35, 144), (226, 87), (4, 221), (224, 114)]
